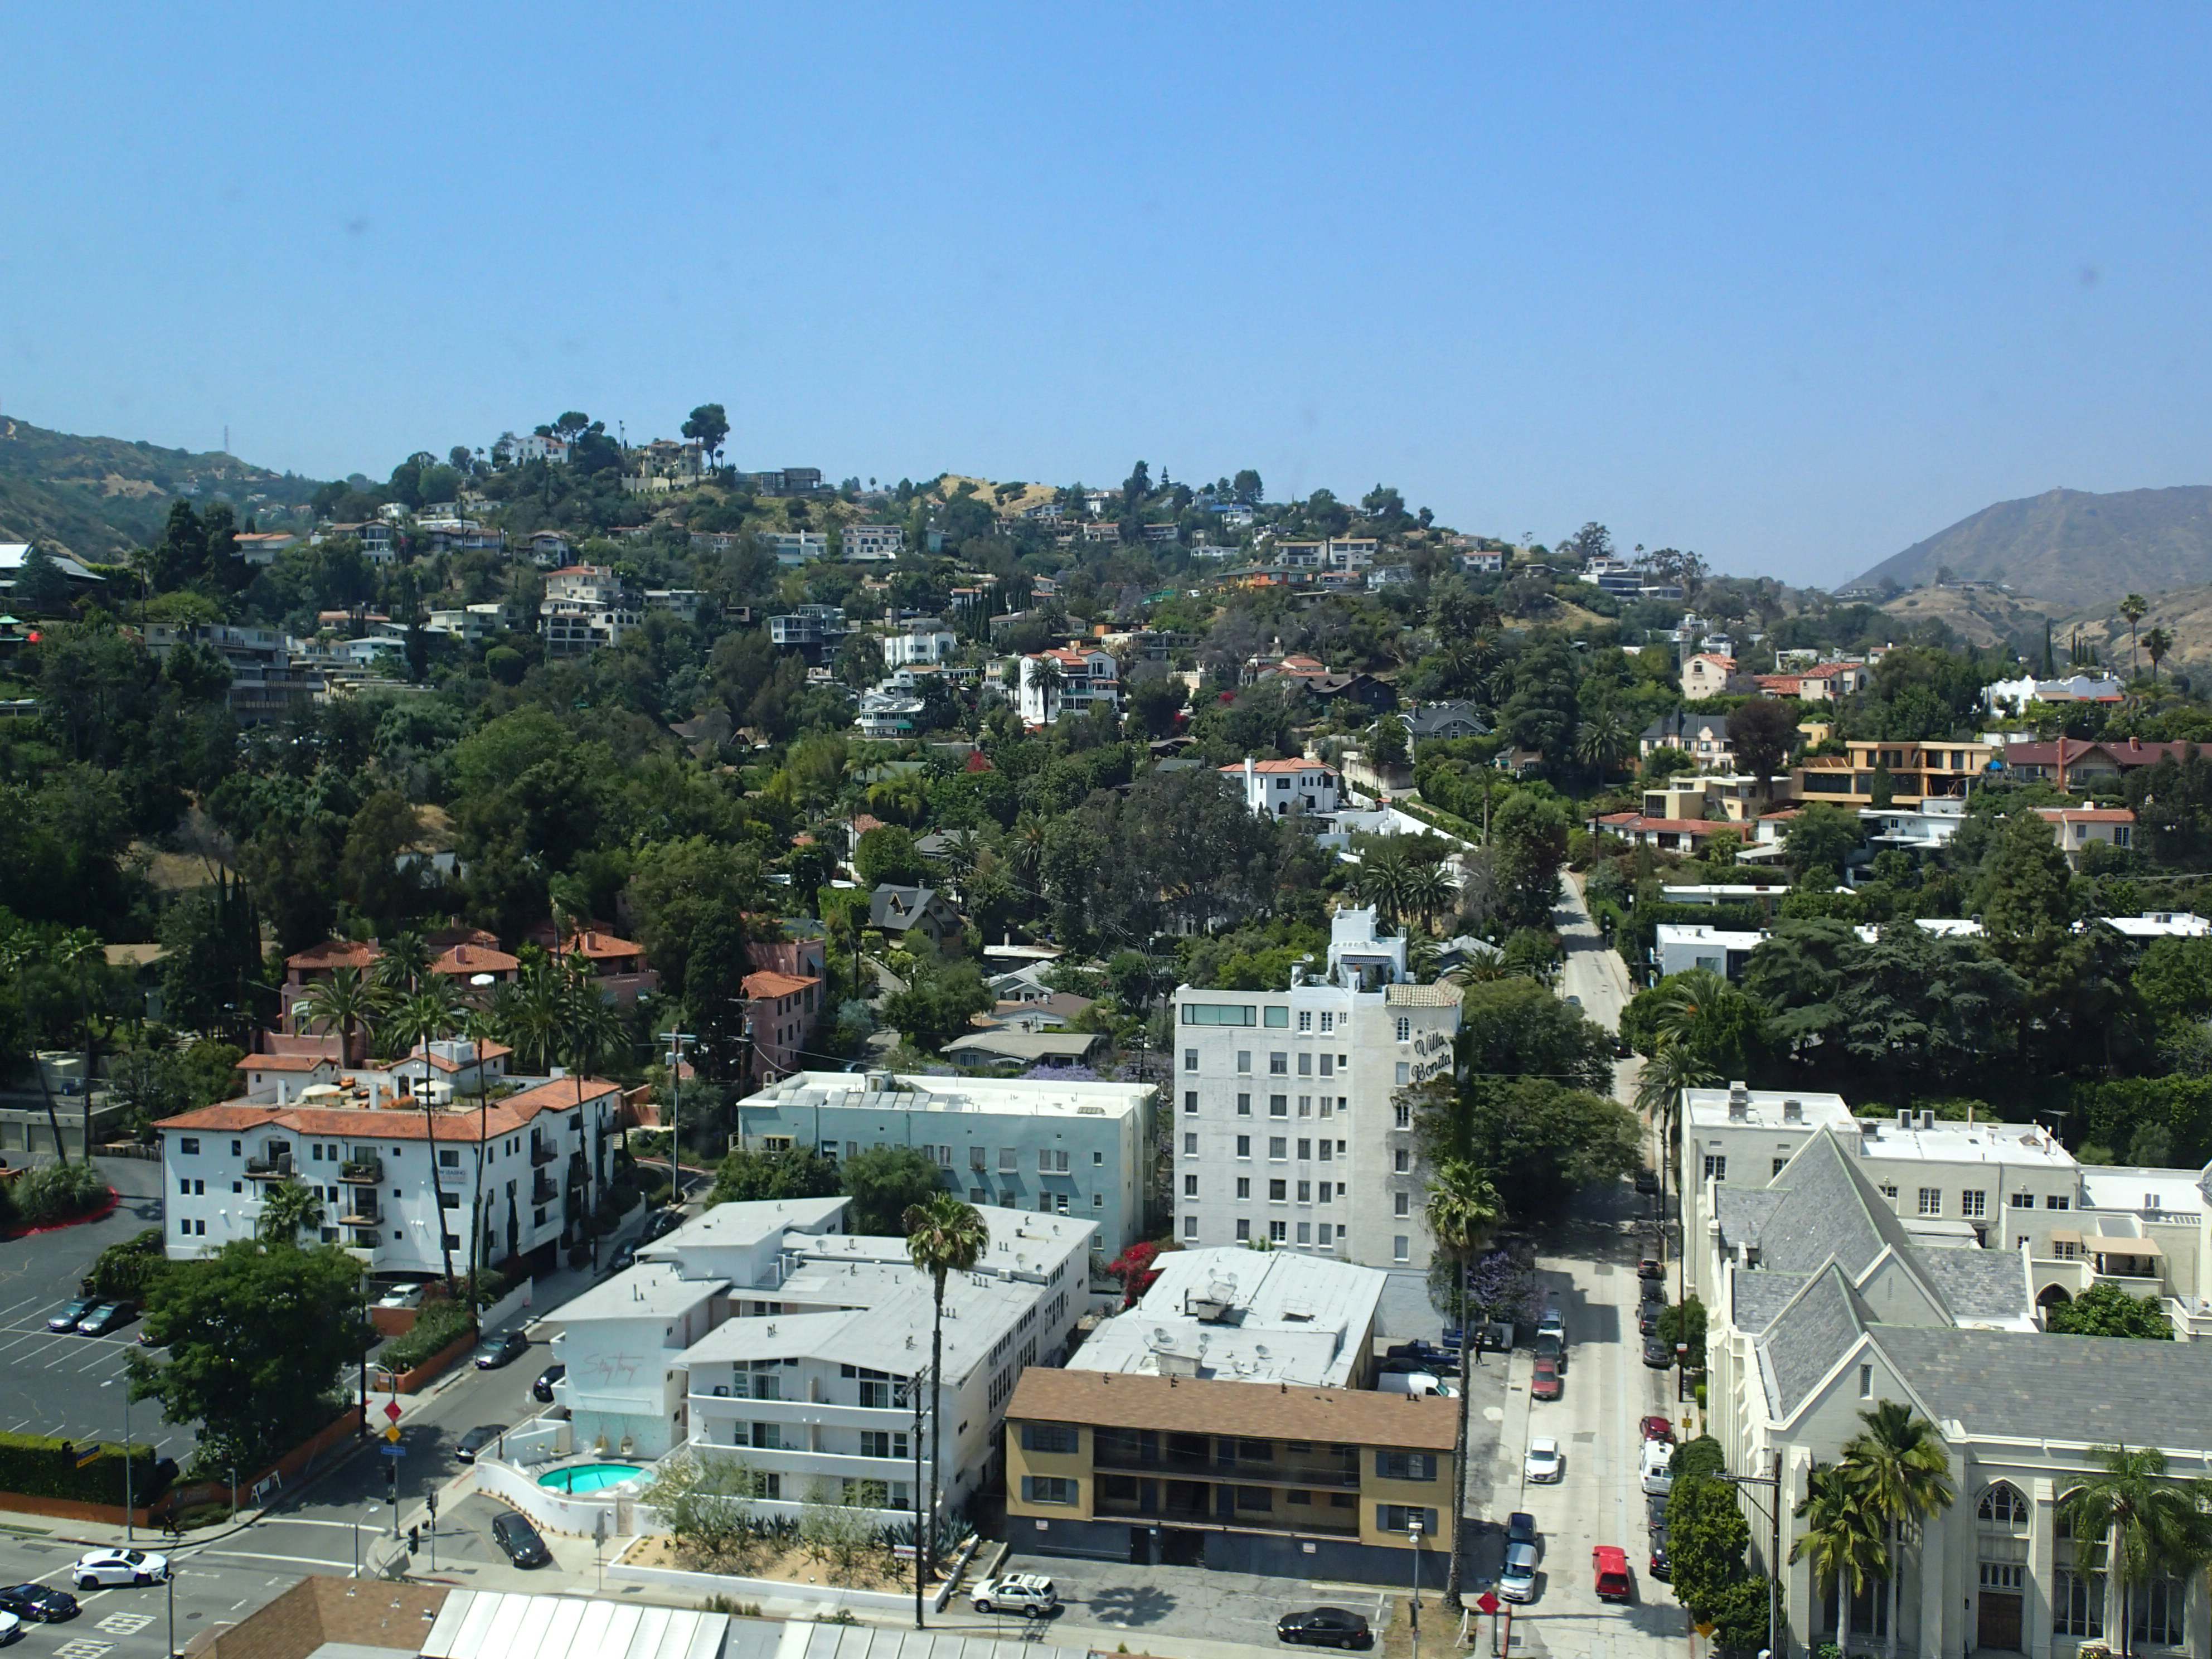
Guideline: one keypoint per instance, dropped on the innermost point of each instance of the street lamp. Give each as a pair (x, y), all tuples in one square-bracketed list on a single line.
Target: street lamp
[(1681, 1372), (1773, 1512), (110, 1383), (1413, 1526)]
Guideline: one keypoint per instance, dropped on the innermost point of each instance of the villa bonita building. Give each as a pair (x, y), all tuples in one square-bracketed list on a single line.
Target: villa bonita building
[(1288, 1125)]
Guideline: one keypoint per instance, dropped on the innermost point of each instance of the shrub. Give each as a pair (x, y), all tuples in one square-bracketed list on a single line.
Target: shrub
[(437, 1325), (39, 1465), (58, 1192), (125, 1270)]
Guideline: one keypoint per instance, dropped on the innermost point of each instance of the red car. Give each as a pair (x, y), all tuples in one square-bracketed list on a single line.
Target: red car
[(1658, 1428), (1545, 1385)]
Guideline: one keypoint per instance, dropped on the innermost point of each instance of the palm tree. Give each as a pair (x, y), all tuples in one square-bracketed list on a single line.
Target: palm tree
[(346, 1002), (2133, 608), (423, 1018), (1600, 741), (593, 1031), (75, 951), (1383, 878), (529, 1013), (2155, 645), (1425, 892), (1462, 1209), (1900, 1473), (15, 955), (1686, 1000), (944, 1236), (2143, 1524), (400, 968), (479, 1026), (1840, 1538), (1673, 1067), (288, 1207)]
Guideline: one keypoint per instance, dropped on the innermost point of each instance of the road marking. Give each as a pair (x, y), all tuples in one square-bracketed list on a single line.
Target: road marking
[(302, 1521), (125, 1624), (293, 1560), (81, 1649)]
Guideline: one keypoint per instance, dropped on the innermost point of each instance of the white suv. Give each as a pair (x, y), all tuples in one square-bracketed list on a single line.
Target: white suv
[(1027, 1592)]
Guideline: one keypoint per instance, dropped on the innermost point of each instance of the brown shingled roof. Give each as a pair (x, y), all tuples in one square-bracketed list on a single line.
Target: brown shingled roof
[(1257, 1411)]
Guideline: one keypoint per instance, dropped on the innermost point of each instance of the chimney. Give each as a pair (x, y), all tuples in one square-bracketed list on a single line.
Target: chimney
[(1739, 1101)]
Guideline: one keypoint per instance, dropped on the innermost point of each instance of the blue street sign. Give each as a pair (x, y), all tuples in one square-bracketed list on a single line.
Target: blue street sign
[(393, 1451)]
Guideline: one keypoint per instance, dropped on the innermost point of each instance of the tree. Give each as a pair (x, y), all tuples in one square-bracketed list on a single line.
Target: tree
[(2133, 607), (257, 1337), (1822, 836), (2141, 1524), (41, 588), (1706, 1537), (746, 1175), (2156, 644), (345, 1002), (1517, 1028), (1899, 1473), (705, 1503), (884, 1182), (1682, 1325), (1762, 732), (1387, 743), (937, 1006), (1601, 740), (288, 1207), (886, 854), (708, 426), (1840, 1538), (1527, 845), (1462, 1208), (944, 1236), (2108, 1310), (1538, 1139)]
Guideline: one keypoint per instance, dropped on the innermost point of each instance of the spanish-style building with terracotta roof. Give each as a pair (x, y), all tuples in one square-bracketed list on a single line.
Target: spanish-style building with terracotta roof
[(2080, 828), (394, 1173), (1282, 788), (1085, 677), (466, 963), (618, 964)]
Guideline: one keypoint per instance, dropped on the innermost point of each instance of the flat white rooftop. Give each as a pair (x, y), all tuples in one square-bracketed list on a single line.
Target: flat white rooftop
[(1696, 933), (1954, 1142), (2179, 1193), (1718, 1109), (1008, 1095), (1236, 1315)]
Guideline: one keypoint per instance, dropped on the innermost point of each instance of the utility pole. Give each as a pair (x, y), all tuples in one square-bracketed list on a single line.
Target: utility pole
[(923, 1527), (1773, 1482), (677, 1040)]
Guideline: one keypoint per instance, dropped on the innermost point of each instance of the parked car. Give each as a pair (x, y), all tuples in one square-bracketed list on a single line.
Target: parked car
[(1324, 1627), (1651, 1289), (1027, 1592), (484, 1434), (1656, 1473), (10, 1628), (1518, 1582), (1428, 1355), (1621, 1050), (1647, 1182), (66, 1317), (1663, 1564), (1574, 1001), (1545, 1384), (622, 1259), (515, 1535), (1609, 1567), (1553, 1345), (1647, 1268), (494, 1352), (106, 1317), (1553, 1320), (1544, 1464), (1419, 1383), (543, 1388), (98, 1569), (35, 1604), (1658, 1354), (1647, 1320), (659, 1224), (1655, 1511), (1520, 1529), (1658, 1428)]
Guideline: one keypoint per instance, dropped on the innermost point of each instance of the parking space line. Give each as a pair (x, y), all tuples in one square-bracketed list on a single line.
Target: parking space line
[(9, 1313)]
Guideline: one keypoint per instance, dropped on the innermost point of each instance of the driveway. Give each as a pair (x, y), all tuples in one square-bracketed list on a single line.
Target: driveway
[(1177, 1602)]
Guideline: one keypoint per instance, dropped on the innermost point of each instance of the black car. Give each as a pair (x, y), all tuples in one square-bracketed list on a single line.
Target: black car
[(1428, 1355), (1520, 1529), (1656, 1354), (494, 1352), (36, 1604), (1663, 1564), (1655, 1511), (543, 1388), (1324, 1627), (659, 1224), (513, 1533), (476, 1439), (1647, 1320), (70, 1312), (1647, 1181), (622, 1259), (1651, 1289), (106, 1317)]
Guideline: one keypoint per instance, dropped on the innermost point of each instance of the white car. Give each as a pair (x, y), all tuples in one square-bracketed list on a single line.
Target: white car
[(98, 1569), (1656, 1473), (10, 1628), (1027, 1592), (1518, 1582), (1543, 1463)]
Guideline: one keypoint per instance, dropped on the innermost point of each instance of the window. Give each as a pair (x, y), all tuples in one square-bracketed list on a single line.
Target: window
[(1243, 1105), (1327, 1066), (1305, 1148), (1217, 1013), (1404, 1072), (1279, 1192), (1048, 1489), (1190, 1226), (1328, 1188), (1406, 1466), (1866, 1381), (1397, 1249), (1059, 1438), (1326, 1231), (1276, 1232), (1243, 1228), (1404, 1028), (1052, 1160), (1244, 1146), (1279, 1064), (2156, 1613), (2001, 1506), (1278, 1149), (1715, 1166), (1971, 1205), (1243, 1185), (1327, 1149), (1328, 1023), (1931, 1200), (1278, 1018), (1279, 1105), (978, 1156), (1401, 1160), (1190, 1102), (1305, 1064), (2022, 1200), (1402, 1204), (1190, 1145), (1097, 1159), (1401, 1116), (1889, 1191), (188, 1145), (1244, 1062), (882, 1443), (1010, 1160), (183, 1187), (1190, 1060), (1404, 1517), (1778, 1163), (2077, 1603), (1305, 1020), (1098, 1200), (448, 1158), (979, 1195), (1305, 1192), (1305, 1232), (1305, 1105), (1190, 1186), (2057, 1201)]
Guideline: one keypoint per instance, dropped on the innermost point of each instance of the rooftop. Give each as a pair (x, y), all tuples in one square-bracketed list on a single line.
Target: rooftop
[(651, 1290), (1763, 1109), (1698, 933), (1234, 1314), (458, 1122), (906, 1092), (1334, 1416)]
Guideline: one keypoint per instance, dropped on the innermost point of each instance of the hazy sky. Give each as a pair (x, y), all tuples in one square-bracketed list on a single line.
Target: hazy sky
[(1793, 287)]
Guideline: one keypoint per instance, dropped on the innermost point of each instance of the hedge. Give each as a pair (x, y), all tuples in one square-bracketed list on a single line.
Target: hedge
[(36, 1465), (440, 1322), (124, 1271)]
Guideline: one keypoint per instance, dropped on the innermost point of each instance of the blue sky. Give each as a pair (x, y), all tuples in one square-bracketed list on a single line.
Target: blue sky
[(1792, 286)]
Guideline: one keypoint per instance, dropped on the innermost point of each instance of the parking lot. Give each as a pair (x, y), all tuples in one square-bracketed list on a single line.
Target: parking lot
[(71, 1387), (1181, 1601)]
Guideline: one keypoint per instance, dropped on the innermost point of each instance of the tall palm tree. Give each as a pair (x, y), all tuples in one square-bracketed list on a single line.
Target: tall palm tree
[(1462, 1210), (1383, 877), (1897, 1468), (1842, 1541), (1673, 1067), (346, 1002), (402, 965), (75, 951), (2141, 1524), (593, 1031), (1426, 891), (529, 1013), (15, 955), (944, 1236), (2156, 644), (479, 1025), (2133, 608), (1600, 741), (288, 1208), (423, 1018)]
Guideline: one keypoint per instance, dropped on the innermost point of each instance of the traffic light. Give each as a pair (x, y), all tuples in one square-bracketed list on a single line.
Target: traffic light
[(414, 1540)]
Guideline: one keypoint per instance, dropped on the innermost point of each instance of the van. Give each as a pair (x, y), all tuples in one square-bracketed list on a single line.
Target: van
[(1609, 1567), (1419, 1383), (1553, 1320), (1656, 1471)]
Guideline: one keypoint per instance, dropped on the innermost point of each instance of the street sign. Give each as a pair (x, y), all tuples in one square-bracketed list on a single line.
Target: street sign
[(1486, 1602), (393, 1451), (1706, 1630), (392, 1434), (391, 1409)]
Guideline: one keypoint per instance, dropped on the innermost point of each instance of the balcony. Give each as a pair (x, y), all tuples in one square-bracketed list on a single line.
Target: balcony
[(362, 1171), (270, 1169), (1339, 1476), (542, 1152), (361, 1211), (542, 1190)]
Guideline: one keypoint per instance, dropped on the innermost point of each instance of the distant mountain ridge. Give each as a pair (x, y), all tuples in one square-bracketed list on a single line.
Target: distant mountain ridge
[(2071, 545), (98, 498)]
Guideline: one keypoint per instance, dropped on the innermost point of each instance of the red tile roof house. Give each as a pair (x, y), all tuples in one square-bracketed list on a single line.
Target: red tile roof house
[(320, 962), (2076, 763), (784, 1000), (2076, 829), (465, 965), (1669, 835), (619, 965)]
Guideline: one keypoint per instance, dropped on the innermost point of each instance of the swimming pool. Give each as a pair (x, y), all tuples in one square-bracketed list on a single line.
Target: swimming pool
[(588, 1476)]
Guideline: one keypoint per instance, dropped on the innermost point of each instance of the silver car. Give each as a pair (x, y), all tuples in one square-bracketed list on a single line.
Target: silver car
[(1518, 1582)]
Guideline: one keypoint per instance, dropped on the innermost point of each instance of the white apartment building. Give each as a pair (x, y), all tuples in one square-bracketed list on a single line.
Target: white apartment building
[(586, 607), (1680, 946), (1072, 1148), (925, 640), (368, 1154), (1278, 788), (1288, 1125), (873, 543), (794, 547), (1086, 677), (764, 1332)]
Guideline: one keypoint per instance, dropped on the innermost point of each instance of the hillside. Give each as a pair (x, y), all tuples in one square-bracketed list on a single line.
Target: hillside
[(98, 498), (1979, 617), (2185, 613), (2075, 547)]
